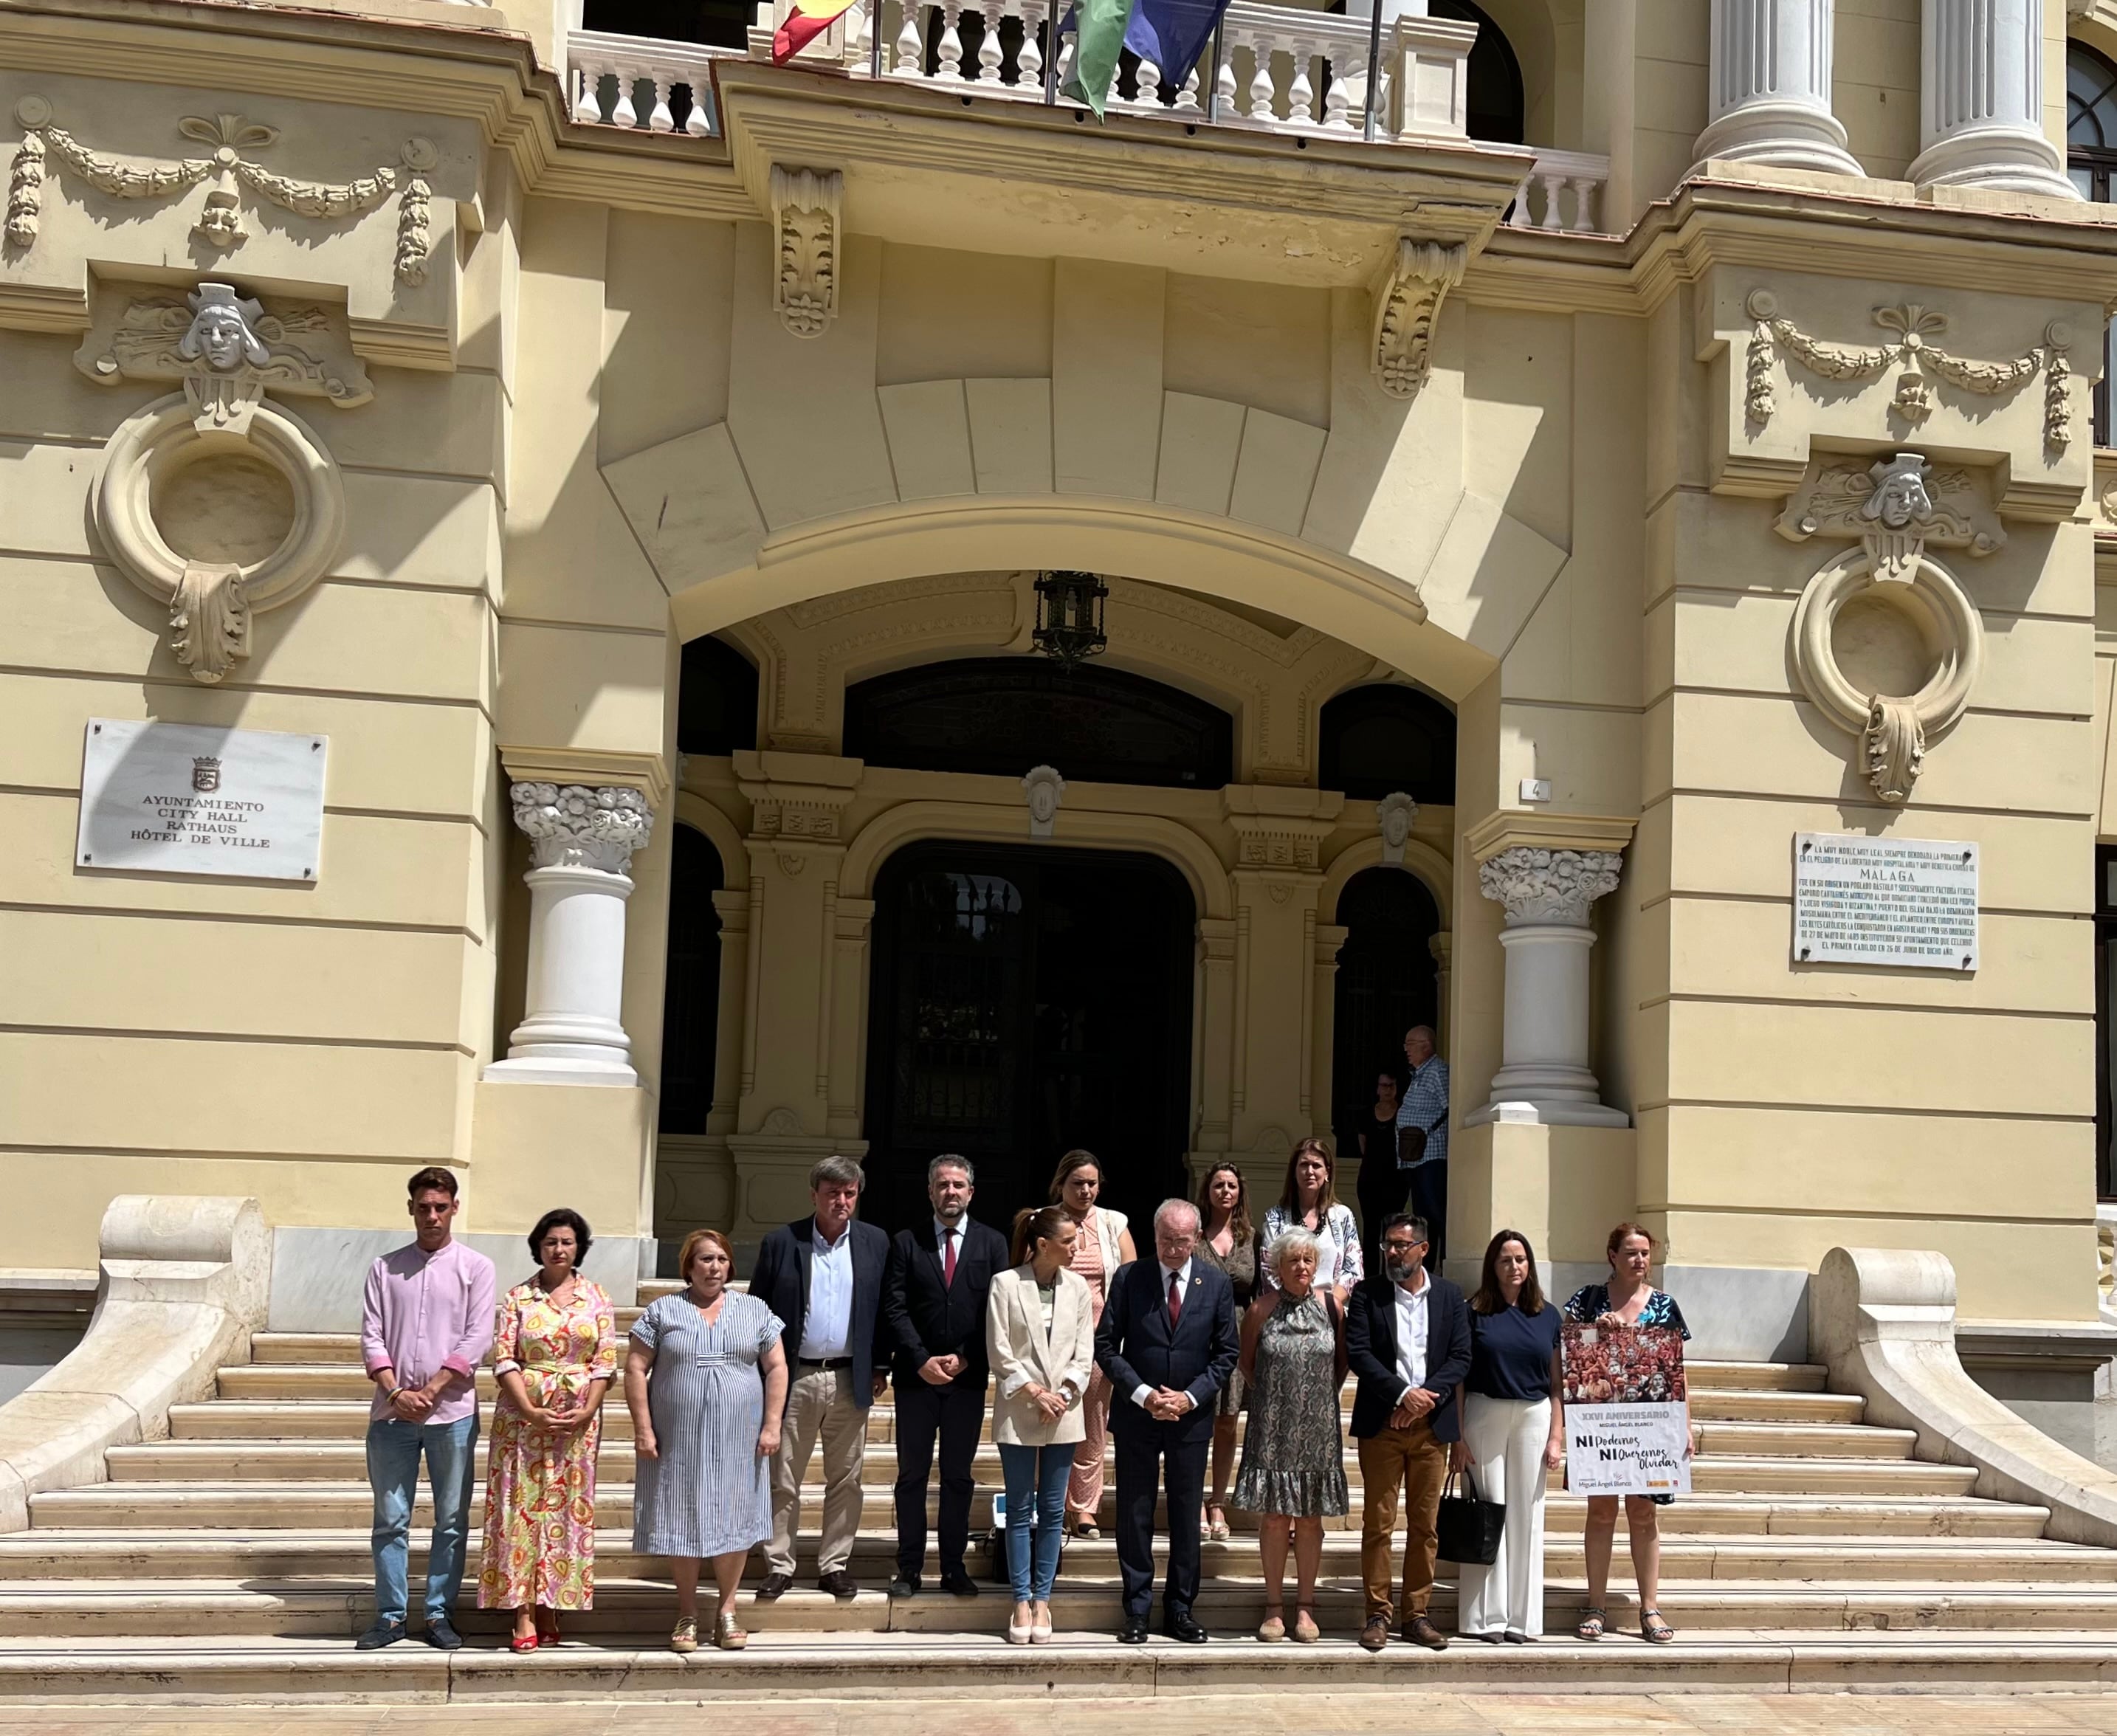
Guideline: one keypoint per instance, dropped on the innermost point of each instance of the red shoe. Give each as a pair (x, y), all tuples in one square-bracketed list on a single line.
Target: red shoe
[(522, 1642), (547, 1627)]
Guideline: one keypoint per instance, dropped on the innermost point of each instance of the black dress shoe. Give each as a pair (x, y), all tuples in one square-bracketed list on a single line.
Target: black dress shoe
[(905, 1585), (381, 1634), (1132, 1633), (839, 1583), (1183, 1627), (959, 1584), (776, 1587), (441, 1636)]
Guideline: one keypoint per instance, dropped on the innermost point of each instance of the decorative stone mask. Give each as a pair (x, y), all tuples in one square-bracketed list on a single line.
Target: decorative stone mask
[(222, 332), (1900, 494)]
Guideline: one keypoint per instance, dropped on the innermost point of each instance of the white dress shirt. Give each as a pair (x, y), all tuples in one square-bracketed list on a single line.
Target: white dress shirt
[(1141, 1393), (827, 1329), (1411, 1333)]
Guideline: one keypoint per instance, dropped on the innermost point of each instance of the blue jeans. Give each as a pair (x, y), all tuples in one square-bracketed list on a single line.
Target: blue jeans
[(393, 1473), (1035, 1484)]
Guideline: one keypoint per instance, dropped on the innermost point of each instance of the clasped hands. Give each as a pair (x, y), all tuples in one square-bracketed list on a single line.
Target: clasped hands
[(1416, 1402), (939, 1370), (1165, 1404), (1052, 1404)]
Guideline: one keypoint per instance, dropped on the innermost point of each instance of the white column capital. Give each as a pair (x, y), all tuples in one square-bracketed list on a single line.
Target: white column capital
[(1548, 886), (580, 826)]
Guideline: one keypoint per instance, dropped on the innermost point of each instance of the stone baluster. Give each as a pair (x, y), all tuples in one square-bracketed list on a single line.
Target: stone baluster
[(1300, 94), (1186, 98), (588, 105), (660, 119), (1770, 87), (1347, 81), (1147, 84), (951, 56), (1518, 216), (1554, 210), (1029, 58), (581, 842), (698, 123), (1224, 83), (1544, 1076), (1981, 99), (624, 114), (911, 47), (990, 54), (1263, 93), (1584, 205)]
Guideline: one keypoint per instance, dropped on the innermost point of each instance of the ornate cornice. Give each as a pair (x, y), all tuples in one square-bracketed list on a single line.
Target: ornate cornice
[(648, 773), (1523, 828)]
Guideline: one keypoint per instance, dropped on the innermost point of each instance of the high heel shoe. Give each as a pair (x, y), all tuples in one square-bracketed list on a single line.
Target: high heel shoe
[(547, 1627), (1217, 1532), (726, 1635), (683, 1636), (521, 1643)]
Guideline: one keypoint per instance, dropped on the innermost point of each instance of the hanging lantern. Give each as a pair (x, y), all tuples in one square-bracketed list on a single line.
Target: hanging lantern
[(1069, 616)]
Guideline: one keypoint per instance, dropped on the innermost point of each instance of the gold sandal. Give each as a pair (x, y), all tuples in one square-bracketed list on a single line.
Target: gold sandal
[(684, 1637), (726, 1635)]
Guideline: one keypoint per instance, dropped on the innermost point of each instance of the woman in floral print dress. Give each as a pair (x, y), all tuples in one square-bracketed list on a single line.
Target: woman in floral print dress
[(555, 1354)]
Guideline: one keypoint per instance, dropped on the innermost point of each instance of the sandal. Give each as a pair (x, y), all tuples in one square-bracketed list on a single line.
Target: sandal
[(547, 1627), (1217, 1532), (726, 1635), (1654, 1630), (684, 1639), (1593, 1624), (1087, 1529)]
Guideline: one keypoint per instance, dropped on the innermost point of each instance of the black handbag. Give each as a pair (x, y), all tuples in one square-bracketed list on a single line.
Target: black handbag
[(1468, 1528), (1410, 1147)]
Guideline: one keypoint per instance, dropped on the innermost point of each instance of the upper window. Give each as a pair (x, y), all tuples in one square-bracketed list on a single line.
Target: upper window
[(1383, 738), (719, 24), (2091, 158), (1004, 714), (715, 699), (1496, 109)]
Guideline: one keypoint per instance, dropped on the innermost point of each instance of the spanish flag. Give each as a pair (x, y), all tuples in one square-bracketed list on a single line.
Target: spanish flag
[(805, 22)]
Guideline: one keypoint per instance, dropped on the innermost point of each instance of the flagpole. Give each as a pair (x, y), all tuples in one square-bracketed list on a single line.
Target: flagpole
[(874, 48), (1374, 68), (1051, 55)]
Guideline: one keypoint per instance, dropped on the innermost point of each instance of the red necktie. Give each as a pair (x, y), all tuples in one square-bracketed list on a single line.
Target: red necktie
[(948, 1259), (1175, 1299)]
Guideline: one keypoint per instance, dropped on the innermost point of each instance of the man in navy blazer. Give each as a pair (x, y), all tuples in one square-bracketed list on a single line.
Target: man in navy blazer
[(1408, 1340), (1168, 1343), (934, 1295), (822, 1275)]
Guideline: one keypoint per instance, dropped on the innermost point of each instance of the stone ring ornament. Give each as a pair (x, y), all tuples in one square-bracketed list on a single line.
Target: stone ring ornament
[(216, 521), (1893, 729)]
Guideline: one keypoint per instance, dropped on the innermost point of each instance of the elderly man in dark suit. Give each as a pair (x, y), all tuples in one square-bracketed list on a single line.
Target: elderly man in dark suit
[(822, 1275), (933, 1294), (1168, 1342), (1408, 1340)]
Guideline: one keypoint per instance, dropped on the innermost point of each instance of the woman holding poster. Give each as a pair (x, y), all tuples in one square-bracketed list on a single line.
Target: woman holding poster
[(1627, 1304)]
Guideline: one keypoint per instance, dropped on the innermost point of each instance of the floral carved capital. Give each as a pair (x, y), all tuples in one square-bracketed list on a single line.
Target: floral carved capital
[(1548, 886), (807, 211), (574, 826), (1407, 303)]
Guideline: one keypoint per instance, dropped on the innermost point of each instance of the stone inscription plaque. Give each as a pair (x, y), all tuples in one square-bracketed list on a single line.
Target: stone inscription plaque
[(195, 798), (1908, 902)]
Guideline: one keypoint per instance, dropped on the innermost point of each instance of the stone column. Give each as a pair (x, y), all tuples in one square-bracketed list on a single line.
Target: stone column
[(1442, 947), (1544, 1076), (1770, 87), (1981, 99), (581, 844)]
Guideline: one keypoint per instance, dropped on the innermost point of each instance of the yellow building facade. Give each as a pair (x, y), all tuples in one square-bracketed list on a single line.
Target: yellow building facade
[(1669, 437)]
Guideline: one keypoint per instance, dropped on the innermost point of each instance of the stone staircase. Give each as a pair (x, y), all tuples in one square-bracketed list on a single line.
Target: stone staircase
[(231, 1559)]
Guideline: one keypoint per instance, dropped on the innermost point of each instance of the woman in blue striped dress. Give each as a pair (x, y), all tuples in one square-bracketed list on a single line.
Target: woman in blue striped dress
[(706, 1383)]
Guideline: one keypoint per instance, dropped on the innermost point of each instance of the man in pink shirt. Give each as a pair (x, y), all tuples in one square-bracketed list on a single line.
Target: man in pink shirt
[(425, 1322)]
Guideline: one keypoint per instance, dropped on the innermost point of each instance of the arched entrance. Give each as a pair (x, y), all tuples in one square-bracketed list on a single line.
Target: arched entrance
[(1026, 1000), (1386, 984)]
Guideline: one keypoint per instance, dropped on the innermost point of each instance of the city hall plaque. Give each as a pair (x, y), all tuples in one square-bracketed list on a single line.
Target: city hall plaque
[(193, 798), (1911, 902)]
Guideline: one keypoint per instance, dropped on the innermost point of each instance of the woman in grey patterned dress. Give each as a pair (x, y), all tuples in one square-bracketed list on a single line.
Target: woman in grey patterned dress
[(706, 1382), (1293, 1466)]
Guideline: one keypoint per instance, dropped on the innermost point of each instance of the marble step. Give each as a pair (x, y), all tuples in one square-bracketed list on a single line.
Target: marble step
[(247, 1528), (307, 1671), (630, 1612), (343, 1349)]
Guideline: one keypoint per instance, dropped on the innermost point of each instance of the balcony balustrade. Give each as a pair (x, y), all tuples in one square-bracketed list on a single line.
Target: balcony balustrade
[(1274, 68)]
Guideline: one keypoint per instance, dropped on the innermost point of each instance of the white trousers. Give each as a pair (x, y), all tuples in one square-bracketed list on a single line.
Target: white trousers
[(1507, 1439)]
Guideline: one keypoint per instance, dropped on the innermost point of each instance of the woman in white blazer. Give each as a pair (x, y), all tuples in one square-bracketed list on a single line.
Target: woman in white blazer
[(1040, 1334)]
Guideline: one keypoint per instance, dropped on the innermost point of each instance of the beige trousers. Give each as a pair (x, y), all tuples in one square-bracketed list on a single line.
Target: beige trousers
[(820, 1402)]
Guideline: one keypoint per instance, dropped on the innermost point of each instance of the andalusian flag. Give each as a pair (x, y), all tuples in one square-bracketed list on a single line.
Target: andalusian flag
[(807, 21), (1172, 34)]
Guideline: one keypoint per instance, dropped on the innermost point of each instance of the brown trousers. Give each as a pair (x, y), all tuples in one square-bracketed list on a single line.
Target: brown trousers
[(1410, 1462)]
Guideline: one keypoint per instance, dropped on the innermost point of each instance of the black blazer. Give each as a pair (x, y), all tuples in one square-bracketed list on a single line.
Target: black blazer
[(781, 1280), (1371, 1348), (923, 1317), (1134, 1345)]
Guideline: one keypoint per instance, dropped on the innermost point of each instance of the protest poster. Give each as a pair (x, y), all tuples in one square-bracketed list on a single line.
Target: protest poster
[(1625, 1429)]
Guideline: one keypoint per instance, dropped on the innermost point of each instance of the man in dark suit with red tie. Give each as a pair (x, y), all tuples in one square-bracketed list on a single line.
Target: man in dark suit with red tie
[(1168, 1342), (933, 1293)]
